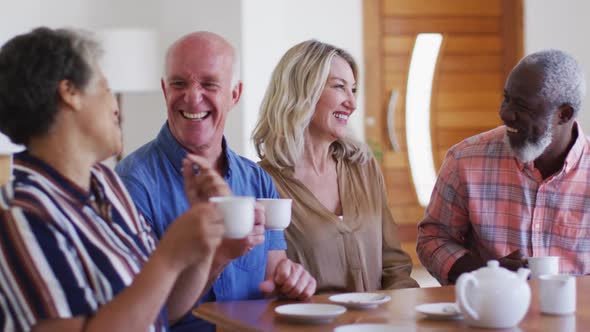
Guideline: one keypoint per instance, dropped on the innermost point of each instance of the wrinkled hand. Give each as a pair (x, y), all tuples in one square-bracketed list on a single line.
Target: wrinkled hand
[(290, 279), (513, 261), (193, 237), (207, 183), (231, 249)]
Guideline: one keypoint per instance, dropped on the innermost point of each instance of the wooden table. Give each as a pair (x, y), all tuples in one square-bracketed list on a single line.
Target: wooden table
[(258, 315)]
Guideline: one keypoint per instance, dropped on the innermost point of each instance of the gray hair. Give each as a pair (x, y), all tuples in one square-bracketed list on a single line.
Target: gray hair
[(89, 48), (564, 81), (31, 67)]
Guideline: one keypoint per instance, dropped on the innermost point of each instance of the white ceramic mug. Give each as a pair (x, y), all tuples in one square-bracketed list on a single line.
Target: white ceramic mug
[(238, 214), (277, 212), (543, 265), (557, 294)]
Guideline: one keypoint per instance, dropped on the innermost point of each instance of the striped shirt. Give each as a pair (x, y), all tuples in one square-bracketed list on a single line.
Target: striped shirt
[(62, 254), (488, 203)]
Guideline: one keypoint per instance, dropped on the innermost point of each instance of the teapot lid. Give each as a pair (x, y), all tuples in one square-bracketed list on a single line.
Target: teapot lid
[(493, 270)]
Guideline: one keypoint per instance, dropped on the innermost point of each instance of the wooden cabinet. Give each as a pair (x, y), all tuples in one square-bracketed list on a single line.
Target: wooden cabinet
[(482, 41)]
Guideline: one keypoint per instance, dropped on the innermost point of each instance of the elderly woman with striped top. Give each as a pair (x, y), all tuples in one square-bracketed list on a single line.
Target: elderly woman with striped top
[(75, 254)]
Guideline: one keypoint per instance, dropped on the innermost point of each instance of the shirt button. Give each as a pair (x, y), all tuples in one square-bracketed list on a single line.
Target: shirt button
[(537, 226)]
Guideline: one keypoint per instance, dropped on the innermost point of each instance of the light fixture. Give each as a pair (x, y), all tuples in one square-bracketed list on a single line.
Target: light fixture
[(130, 62), (418, 96)]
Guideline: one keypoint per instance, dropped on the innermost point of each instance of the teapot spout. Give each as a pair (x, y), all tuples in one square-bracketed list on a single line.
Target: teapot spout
[(523, 273)]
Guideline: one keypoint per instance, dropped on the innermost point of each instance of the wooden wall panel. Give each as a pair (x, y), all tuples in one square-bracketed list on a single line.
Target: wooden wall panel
[(443, 8), (396, 80), (469, 82), (467, 100), (394, 160), (464, 25), (407, 215), (482, 40), (464, 119), (396, 63), (398, 44), (473, 44), (440, 156), (374, 101), (471, 63), (410, 248), (450, 137)]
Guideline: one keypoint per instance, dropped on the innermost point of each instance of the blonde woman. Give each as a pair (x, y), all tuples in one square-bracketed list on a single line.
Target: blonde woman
[(342, 231)]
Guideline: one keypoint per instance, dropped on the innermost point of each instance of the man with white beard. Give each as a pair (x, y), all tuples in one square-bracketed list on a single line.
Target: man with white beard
[(520, 190)]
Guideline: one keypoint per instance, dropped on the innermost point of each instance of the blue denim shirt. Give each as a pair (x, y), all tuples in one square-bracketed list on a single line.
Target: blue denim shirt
[(152, 175)]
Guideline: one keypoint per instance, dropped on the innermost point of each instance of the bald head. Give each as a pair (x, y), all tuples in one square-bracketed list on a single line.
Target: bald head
[(203, 44)]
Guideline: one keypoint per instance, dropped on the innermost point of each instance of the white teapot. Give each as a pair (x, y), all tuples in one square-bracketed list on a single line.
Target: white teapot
[(493, 297)]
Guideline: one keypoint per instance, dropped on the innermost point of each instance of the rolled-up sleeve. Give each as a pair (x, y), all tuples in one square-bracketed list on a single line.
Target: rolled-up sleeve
[(441, 233)]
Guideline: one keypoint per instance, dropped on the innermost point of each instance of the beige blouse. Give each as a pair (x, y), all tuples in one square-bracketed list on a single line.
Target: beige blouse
[(359, 253)]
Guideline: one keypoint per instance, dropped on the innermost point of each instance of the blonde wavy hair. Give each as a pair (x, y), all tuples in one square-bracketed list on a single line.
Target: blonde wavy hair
[(296, 85)]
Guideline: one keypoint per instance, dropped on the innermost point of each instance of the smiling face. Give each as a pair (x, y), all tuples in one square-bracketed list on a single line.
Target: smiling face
[(198, 90), (528, 117), (336, 104)]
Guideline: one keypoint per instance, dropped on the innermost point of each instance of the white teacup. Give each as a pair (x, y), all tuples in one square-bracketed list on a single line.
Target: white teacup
[(238, 214), (557, 294), (277, 212), (543, 265)]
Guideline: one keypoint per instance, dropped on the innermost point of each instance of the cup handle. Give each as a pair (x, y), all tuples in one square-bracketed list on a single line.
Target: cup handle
[(464, 280)]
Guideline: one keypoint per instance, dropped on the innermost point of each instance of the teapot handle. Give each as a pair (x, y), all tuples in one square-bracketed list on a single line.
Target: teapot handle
[(462, 284)]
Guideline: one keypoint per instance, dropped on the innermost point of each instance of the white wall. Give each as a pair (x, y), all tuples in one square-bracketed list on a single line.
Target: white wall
[(338, 22), (264, 43), (284, 23), (562, 25), (261, 31)]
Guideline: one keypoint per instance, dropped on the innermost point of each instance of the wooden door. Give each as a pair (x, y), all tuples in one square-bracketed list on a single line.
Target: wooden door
[(482, 41)]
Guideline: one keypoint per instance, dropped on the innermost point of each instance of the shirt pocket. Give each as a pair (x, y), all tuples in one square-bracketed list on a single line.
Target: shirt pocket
[(253, 261)]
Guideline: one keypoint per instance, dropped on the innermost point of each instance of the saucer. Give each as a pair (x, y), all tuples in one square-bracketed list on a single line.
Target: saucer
[(370, 328), (442, 310), (310, 312), (360, 300)]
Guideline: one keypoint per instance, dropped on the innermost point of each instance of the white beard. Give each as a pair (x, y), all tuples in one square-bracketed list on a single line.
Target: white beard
[(531, 150)]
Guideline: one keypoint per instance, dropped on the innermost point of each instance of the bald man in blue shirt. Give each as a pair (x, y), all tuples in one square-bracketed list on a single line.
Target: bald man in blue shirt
[(201, 86)]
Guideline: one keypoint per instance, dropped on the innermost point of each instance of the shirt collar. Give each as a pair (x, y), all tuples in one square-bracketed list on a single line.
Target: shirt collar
[(170, 147), (230, 159), (575, 153), (572, 158), (70, 188), (176, 153)]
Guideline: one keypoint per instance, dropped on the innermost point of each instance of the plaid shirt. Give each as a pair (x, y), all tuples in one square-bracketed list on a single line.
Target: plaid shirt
[(490, 204)]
